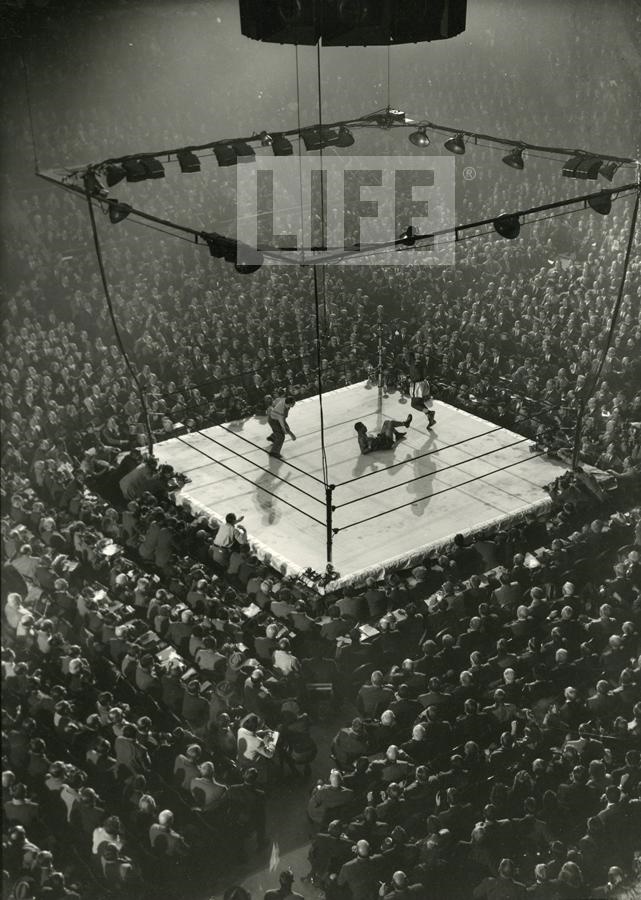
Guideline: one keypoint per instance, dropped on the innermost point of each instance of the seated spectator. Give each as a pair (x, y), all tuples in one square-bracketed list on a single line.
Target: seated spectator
[(164, 840)]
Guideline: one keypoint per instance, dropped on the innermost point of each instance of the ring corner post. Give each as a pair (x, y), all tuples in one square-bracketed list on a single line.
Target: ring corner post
[(329, 509)]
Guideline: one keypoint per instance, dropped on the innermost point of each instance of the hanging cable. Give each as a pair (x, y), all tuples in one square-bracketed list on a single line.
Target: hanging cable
[(319, 372), (112, 316), (300, 159), (320, 131), (317, 292), (27, 88), (388, 76), (616, 309)]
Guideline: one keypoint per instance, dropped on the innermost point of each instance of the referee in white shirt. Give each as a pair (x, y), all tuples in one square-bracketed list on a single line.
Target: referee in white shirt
[(280, 410)]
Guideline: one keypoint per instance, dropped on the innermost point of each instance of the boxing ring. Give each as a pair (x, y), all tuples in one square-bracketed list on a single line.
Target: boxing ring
[(378, 511)]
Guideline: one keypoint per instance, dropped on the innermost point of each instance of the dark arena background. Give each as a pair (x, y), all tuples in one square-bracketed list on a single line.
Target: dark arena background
[(247, 650)]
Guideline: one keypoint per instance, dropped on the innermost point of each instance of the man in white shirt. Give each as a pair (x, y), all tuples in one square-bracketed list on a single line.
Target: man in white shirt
[(279, 412), (226, 534)]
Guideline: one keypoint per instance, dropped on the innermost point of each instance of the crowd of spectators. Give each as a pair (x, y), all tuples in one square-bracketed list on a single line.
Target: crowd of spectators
[(146, 668), (500, 714)]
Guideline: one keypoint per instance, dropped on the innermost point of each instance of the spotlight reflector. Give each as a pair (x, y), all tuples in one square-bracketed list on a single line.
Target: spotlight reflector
[(316, 138), (118, 212), (582, 166), (153, 167), (244, 269), (281, 146), (508, 226), (601, 204), (245, 258), (114, 175), (419, 138), (608, 170), (345, 137), (244, 153), (225, 155), (188, 161), (514, 159), (134, 170), (455, 144)]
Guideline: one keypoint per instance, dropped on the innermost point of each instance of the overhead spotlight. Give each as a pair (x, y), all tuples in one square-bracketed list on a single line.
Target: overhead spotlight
[(225, 155), (114, 174), (245, 258), (244, 269), (390, 117), (134, 170), (188, 161), (455, 144), (317, 138), (281, 146), (514, 159), (608, 170), (409, 236), (508, 226), (582, 166), (118, 212), (94, 186), (265, 139), (602, 203), (244, 152), (153, 167), (419, 138), (345, 137)]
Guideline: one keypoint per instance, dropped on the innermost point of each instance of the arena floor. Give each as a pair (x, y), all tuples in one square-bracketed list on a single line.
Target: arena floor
[(463, 474)]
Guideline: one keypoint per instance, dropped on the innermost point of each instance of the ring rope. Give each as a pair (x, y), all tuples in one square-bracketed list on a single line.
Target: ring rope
[(262, 468), (253, 483), (447, 447), (469, 459), (243, 438), (436, 493)]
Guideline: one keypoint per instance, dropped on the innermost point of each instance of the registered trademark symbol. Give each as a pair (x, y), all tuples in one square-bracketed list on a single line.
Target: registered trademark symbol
[(469, 173)]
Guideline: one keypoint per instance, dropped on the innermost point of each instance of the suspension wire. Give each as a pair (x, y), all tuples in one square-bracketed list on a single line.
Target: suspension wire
[(388, 75), (319, 372), (300, 159), (614, 318), (317, 292), (253, 483), (112, 316), (262, 468), (455, 444), (452, 487), (616, 309), (320, 156), (27, 90), (469, 459)]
